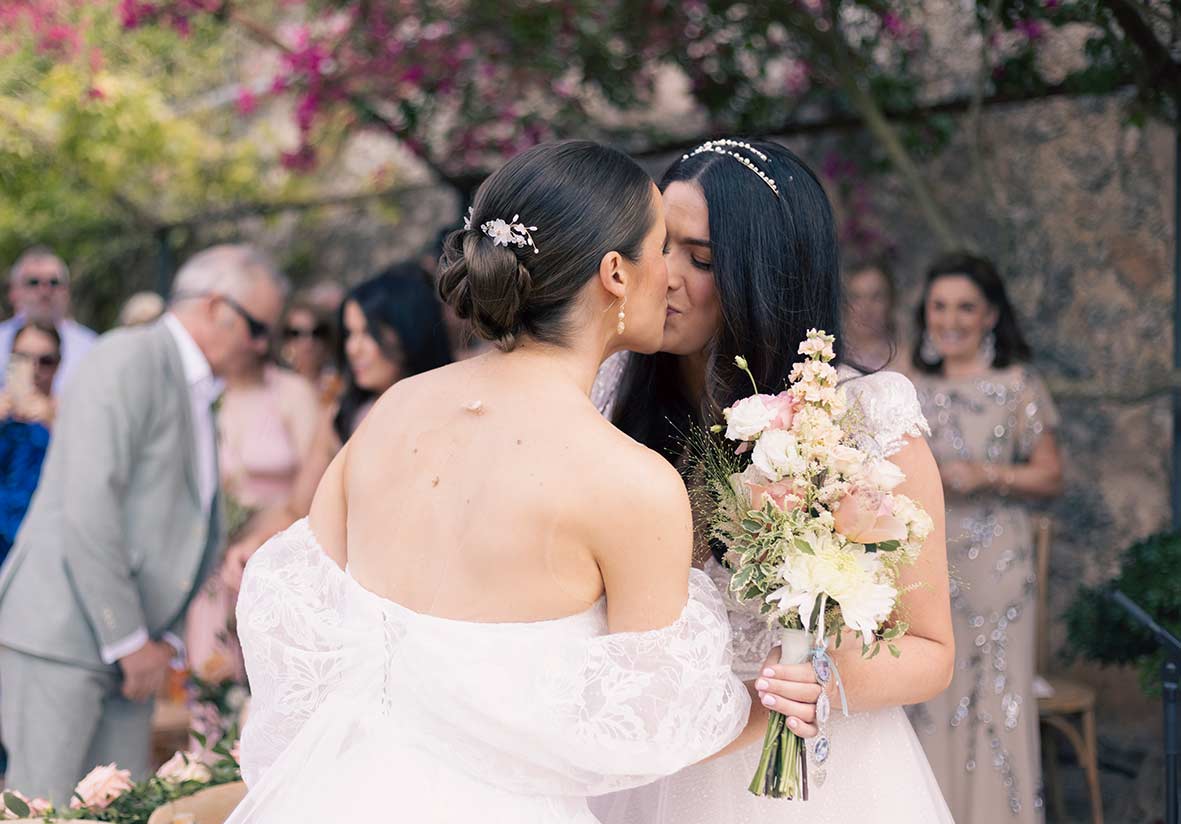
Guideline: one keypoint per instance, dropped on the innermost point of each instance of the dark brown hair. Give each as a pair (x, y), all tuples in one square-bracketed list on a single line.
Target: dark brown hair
[(584, 198), (1010, 343)]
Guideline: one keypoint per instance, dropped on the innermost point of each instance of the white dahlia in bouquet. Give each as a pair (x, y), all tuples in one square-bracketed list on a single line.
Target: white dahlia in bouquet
[(814, 532)]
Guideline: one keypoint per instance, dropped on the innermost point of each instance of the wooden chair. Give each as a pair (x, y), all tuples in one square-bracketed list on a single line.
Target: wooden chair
[(210, 806), (1071, 709)]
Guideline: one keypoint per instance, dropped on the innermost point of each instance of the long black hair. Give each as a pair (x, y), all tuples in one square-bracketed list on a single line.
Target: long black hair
[(400, 300), (777, 275), (1011, 346)]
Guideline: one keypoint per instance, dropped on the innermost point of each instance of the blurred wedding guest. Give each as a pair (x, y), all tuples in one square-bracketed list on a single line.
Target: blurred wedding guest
[(391, 328), (266, 422), (326, 294), (871, 339), (27, 409), (993, 434), (39, 290), (123, 527), (141, 308), (309, 340)]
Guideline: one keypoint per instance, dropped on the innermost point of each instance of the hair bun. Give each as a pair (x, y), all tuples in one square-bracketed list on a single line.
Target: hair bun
[(485, 284)]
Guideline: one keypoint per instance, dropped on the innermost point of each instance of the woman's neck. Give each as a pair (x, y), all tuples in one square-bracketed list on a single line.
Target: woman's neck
[(969, 367), (576, 364), (246, 377)]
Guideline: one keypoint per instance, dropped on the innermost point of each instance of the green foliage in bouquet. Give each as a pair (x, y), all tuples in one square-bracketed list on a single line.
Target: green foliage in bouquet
[(1100, 630)]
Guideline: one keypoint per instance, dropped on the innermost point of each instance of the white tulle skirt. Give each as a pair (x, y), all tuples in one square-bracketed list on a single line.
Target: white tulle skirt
[(351, 766), (877, 774)]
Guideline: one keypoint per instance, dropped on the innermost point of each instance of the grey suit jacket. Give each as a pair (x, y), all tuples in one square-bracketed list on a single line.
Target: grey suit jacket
[(116, 538)]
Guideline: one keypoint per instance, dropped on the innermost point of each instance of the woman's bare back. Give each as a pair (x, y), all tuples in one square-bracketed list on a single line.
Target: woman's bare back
[(486, 491)]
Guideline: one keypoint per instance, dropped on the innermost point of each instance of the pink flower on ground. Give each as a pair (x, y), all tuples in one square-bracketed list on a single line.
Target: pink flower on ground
[(865, 516), (100, 787), (37, 806), (182, 767)]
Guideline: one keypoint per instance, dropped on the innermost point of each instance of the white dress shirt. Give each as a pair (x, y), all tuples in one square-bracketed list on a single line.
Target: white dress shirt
[(204, 390), (76, 342)]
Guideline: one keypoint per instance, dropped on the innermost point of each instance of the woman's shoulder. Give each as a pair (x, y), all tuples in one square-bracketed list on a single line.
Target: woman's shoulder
[(885, 408)]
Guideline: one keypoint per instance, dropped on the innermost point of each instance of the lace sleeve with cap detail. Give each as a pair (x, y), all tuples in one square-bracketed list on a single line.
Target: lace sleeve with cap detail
[(885, 409)]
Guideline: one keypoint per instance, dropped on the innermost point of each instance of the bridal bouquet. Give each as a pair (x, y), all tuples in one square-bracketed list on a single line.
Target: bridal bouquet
[(814, 534)]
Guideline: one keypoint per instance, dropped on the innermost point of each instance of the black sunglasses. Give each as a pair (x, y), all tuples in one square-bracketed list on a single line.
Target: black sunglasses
[(44, 361), (258, 329), (293, 332)]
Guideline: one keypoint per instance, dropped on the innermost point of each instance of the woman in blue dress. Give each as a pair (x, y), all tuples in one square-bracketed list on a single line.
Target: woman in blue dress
[(27, 409)]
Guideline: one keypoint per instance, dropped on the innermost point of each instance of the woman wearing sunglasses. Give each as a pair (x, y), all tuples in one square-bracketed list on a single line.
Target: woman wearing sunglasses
[(309, 338), (26, 414)]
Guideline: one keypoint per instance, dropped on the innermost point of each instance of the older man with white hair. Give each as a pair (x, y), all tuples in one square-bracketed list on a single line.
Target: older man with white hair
[(123, 528), (39, 290)]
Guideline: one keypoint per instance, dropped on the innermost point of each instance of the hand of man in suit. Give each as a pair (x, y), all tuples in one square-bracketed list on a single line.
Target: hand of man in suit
[(145, 669)]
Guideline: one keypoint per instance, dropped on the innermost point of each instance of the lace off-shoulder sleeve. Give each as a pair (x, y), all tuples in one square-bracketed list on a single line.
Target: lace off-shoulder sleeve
[(557, 709), (886, 411)]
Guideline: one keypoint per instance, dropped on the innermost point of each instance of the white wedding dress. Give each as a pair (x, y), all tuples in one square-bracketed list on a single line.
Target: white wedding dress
[(877, 770), (365, 711)]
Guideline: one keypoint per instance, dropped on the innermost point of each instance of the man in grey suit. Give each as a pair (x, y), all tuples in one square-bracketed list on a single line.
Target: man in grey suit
[(123, 528)]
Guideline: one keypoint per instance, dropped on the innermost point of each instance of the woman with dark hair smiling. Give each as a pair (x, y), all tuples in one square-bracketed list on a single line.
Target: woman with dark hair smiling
[(993, 433), (753, 265), (391, 328)]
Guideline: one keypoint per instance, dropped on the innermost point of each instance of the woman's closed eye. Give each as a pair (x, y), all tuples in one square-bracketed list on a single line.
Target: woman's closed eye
[(703, 265)]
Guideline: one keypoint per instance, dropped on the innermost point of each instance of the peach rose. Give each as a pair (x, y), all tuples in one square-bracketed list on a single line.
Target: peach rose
[(785, 410), (865, 516), (100, 787), (781, 493)]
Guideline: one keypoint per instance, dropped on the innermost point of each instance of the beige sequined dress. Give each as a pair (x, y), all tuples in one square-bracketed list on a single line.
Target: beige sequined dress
[(981, 735)]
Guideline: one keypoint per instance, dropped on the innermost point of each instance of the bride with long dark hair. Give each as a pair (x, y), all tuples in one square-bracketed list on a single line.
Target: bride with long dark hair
[(753, 265)]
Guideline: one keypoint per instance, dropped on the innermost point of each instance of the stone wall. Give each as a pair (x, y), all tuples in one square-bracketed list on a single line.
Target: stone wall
[(1077, 210)]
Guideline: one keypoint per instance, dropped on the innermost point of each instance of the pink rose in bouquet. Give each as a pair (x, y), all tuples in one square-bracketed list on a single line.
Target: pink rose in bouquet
[(783, 494), (865, 516), (100, 787)]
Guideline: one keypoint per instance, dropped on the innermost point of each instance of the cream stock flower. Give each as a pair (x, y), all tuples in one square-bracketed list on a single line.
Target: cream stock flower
[(818, 346)]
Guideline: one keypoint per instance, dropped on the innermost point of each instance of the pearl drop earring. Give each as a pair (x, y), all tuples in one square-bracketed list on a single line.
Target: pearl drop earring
[(619, 327)]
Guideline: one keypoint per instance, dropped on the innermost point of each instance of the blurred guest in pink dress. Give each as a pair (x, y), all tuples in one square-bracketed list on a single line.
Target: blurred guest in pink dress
[(391, 328), (266, 422)]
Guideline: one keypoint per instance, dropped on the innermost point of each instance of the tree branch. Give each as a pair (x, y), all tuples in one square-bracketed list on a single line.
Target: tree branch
[(1159, 63)]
